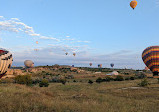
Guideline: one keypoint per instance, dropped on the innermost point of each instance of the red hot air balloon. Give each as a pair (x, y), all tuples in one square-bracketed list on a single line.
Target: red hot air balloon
[(90, 64), (150, 57)]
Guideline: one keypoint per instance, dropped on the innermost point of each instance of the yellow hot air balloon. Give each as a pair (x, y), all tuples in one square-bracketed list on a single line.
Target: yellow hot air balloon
[(133, 4)]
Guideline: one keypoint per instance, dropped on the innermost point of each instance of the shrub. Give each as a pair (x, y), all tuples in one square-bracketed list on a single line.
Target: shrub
[(23, 79), (90, 82), (35, 81), (144, 83), (132, 78), (107, 79), (158, 80), (99, 80), (44, 83), (127, 78), (74, 81), (119, 78), (141, 75), (63, 81)]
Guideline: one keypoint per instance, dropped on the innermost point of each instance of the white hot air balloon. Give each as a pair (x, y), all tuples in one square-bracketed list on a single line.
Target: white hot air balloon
[(5, 61), (29, 64)]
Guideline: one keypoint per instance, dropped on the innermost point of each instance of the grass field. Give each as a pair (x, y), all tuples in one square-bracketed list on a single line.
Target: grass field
[(81, 97)]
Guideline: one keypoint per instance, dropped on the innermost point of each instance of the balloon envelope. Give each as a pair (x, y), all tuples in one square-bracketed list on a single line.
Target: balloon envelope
[(133, 4), (28, 63), (150, 57), (90, 64), (5, 61), (112, 64)]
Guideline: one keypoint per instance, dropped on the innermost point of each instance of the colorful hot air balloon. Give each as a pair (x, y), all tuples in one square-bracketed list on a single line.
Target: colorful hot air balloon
[(133, 4), (5, 61), (28, 63), (90, 64), (150, 56), (74, 54), (112, 65)]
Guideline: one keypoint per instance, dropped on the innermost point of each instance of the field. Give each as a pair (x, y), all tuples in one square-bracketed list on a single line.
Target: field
[(114, 96)]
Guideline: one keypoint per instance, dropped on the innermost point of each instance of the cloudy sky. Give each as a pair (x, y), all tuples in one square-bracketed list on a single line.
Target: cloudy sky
[(98, 31)]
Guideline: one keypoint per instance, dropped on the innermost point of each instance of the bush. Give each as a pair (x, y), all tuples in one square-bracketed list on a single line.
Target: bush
[(119, 78), (99, 80), (141, 75), (23, 79), (158, 80), (132, 78), (63, 81), (74, 81), (127, 78), (107, 79), (144, 83), (90, 82), (44, 83)]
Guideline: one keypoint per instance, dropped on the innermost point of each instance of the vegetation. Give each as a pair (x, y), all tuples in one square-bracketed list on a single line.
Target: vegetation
[(144, 83), (90, 82), (44, 83), (23, 79)]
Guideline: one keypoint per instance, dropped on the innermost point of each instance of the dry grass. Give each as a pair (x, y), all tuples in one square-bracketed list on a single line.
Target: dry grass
[(80, 97)]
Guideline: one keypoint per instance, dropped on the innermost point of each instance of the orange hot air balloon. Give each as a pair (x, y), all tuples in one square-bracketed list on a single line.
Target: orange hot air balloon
[(74, 54), (37, 42), (133, 4), (90, 64), (150, 56)]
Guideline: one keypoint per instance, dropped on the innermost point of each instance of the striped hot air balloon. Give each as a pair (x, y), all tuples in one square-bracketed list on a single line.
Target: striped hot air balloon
[(150, 56), (5, 61)]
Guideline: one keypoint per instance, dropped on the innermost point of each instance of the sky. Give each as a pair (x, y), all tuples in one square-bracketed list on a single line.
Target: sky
[(98, 31)]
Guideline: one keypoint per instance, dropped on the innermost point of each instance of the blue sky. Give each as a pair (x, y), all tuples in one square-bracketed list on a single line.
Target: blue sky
[(99, 31)]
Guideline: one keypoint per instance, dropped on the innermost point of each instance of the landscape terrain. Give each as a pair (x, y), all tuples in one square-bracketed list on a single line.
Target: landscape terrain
[(79, 89)]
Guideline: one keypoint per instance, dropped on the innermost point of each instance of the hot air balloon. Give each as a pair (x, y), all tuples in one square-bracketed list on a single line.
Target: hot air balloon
[(133, 4), (112, 65), (36, 49), (28, 63), (66, 53), (74, 54), (90, 64), (5, 61), (99, 65), (150, 57), (37, 42)]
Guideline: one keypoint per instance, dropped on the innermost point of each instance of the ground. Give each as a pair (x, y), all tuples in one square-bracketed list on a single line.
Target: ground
[(114, 96)]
